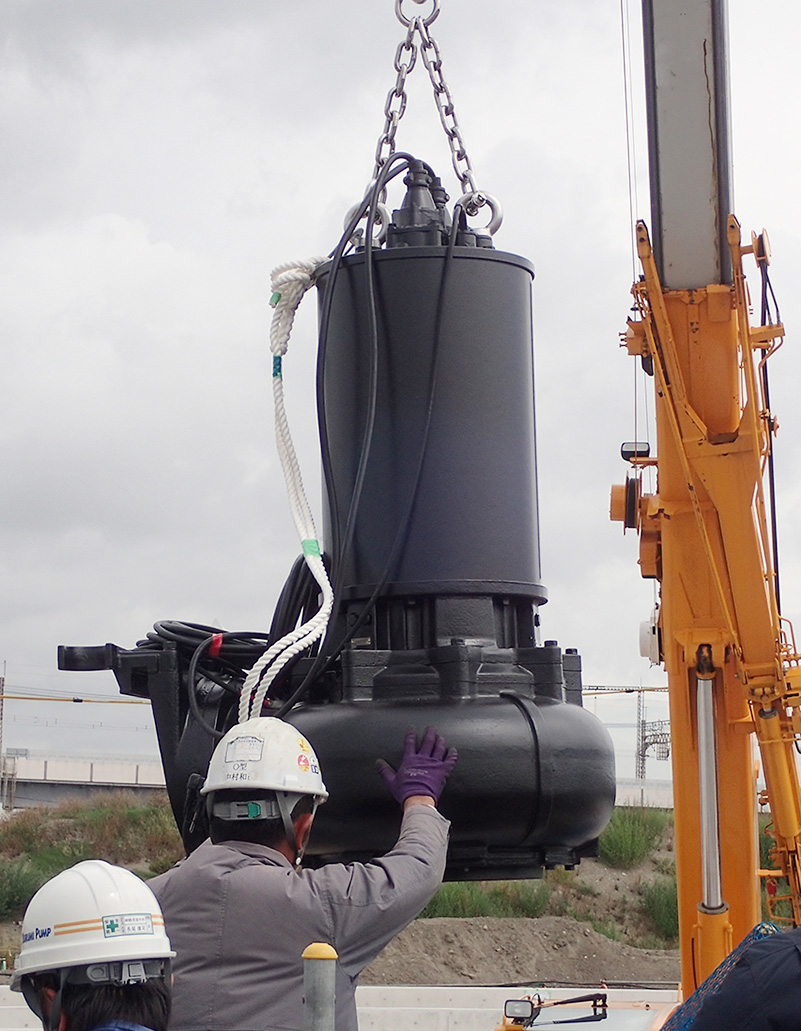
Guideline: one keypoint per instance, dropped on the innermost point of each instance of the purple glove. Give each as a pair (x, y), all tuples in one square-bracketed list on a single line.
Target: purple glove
[(420, 772)]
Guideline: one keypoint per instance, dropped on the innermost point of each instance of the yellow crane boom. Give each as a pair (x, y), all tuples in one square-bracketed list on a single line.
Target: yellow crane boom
[(733, 670)]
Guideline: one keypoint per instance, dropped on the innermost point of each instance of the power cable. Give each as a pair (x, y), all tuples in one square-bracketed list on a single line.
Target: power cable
[(323, 663)]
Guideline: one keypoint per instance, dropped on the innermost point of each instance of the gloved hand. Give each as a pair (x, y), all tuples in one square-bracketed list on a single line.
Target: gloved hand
[(420, 772)]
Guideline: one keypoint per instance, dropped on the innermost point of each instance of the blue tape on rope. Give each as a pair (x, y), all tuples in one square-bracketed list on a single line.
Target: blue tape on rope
[(277, 366), (311, 547)]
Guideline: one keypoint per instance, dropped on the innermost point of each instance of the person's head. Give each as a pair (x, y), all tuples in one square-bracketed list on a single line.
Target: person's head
[(95, 950), (264, 785)]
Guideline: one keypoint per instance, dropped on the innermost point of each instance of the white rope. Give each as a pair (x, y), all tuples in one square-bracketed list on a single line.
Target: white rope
[(290, 282)]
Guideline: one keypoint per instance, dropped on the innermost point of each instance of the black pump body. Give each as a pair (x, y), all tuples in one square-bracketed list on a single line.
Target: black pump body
[(426, 407)]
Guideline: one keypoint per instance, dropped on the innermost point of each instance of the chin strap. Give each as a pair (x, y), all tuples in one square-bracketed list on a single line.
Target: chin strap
[(286, 818), (282, 797), (55, 1007)]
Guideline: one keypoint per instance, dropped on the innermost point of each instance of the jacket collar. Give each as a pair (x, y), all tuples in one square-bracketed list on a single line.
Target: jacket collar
[(247, 848)]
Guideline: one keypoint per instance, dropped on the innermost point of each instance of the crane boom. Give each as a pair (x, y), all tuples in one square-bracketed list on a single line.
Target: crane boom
[(732, 666)]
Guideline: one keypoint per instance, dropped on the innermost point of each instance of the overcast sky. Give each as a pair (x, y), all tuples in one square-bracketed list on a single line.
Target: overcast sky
[(161, 156)]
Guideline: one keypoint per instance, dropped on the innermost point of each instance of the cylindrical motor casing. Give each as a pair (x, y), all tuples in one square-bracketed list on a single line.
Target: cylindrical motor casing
[(530, 774), (451, 467)]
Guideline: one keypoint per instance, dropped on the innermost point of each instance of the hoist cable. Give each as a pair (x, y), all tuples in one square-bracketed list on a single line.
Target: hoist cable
[(634, 203), (766, 320)]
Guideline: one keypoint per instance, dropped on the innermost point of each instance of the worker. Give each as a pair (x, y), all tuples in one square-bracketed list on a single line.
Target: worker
[(240, 908), (760, 992), (95, 955)]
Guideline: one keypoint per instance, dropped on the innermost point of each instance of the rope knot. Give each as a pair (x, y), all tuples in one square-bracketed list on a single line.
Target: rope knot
[(289, 282)]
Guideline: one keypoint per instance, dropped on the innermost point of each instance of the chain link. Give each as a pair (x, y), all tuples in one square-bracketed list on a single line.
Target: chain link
[(395, 106), (447, 111), (395, 103)]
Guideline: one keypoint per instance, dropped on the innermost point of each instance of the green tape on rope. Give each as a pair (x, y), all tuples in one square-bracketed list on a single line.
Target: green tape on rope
[(311, 547), (277, 366), (276, 297)]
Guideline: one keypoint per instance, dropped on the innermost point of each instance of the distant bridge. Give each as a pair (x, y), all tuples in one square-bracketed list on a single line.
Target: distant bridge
[(27, 782)]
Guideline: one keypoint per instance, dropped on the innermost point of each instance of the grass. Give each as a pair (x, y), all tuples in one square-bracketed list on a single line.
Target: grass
[(631, 835), (18, 881), (660, 902), (496, 898), (123, 828), (120, 827), (608, 928)]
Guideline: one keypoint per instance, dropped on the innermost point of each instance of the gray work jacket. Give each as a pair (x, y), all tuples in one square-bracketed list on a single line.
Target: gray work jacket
[(239, 916)]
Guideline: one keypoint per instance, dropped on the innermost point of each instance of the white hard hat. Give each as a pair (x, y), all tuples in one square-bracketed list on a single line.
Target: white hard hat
[(93, 913), (268, 753)]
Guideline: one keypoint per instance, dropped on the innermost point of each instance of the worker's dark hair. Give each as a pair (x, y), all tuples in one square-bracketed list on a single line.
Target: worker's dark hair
[(89, 1006), (257, 832)]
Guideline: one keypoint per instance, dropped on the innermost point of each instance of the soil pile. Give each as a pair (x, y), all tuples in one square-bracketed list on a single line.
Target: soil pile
[(546, 950)]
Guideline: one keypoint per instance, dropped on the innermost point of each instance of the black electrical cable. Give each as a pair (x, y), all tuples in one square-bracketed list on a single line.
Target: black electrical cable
[(403, 526), (341, 542), (345, 543), (300, 598), (325, 662), (187, 636), (290, 601), (368, 203), (191, 691), (237, 653)]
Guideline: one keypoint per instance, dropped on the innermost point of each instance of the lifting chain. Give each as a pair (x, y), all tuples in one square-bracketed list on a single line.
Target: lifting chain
[(472, 199)]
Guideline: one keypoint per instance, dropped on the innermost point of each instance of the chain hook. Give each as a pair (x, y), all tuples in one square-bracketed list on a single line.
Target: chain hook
[(432, 17)]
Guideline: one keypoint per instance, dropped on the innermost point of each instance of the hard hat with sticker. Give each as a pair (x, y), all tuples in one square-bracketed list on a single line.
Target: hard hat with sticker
[(268, 753), (92, 913)]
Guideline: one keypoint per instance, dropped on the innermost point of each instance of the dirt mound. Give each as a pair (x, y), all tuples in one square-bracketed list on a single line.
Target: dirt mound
[(485, 951), (555, 948)]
